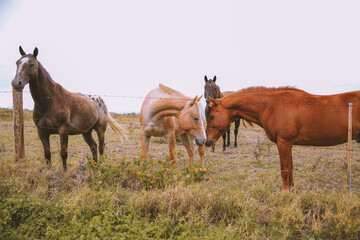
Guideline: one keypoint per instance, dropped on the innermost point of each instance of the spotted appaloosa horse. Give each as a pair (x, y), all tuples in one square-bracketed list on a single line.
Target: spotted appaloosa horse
[(166, 112), (289, 117), (58, 111), (211, 89)]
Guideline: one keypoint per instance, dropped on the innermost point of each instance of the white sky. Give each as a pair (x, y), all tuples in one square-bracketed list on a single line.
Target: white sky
[(126, 48)]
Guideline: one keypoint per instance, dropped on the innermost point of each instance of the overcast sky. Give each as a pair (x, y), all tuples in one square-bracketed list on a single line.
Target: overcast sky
[(121, 50)]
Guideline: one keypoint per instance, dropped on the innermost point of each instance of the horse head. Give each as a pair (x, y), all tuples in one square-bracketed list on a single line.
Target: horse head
[(219, 121), (192, 120), (211, 89), (27, 69)]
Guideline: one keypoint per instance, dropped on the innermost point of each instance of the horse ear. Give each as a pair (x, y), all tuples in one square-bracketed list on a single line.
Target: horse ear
[(193, 101), (198, 99), (22, 52), (213, 102), (214, 79), (35, 53), (205, 78)]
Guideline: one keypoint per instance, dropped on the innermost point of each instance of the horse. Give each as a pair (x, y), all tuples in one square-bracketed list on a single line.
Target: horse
[(211, 89), (289, 117), (58, 111), (166, 112)]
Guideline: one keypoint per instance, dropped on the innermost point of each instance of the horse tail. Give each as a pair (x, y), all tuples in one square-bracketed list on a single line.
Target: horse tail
[(248, 122), (115, 126)]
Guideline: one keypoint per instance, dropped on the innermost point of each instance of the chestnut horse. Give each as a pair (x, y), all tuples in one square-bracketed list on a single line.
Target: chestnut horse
[(211, 89), (58, 111), (166, 112), (289, 117)]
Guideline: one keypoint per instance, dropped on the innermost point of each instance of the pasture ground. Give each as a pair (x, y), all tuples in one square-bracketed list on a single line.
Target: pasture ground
[(237, 196)]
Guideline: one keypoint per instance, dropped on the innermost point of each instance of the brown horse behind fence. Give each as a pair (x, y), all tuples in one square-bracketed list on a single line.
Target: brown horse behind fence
[(289, 117), (58, 111), (211, 89)]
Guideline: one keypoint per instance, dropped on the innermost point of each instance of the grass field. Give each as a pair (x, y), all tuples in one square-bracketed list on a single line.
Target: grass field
[(237, 196)]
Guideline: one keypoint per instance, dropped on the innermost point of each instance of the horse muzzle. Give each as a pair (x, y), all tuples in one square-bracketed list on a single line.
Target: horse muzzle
[(200, 141), (209, 143), (18, 84)]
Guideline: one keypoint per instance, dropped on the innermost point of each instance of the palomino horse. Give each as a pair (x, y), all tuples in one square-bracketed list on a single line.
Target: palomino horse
[(211, 89), (167, 112), (289, 117), (58, 111)]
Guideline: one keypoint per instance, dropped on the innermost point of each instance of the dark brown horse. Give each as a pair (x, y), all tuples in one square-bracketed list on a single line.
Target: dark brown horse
[(58, 111), (289, 117), (211, 89)]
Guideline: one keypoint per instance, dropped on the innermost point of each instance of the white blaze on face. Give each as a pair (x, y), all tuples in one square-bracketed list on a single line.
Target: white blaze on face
[(21, 63), (201, 117)]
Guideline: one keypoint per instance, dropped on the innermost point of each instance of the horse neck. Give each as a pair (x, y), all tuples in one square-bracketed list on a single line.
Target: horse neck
[(42, 88), (248, 107), (218, 93), (217, 96)]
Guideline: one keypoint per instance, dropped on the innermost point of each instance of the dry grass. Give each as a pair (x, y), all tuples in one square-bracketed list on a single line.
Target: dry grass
[(243, 199)]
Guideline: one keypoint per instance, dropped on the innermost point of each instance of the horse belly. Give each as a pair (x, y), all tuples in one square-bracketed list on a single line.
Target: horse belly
[(83, 117), (322, 136), (320, 141), (310, 128), (80, 125)]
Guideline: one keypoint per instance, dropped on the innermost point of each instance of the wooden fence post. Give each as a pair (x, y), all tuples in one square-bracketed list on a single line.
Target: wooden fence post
[(18, 115), (349, 146)]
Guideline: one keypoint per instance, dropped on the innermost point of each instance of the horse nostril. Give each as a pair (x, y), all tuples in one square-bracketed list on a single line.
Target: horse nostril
[(200, 142)]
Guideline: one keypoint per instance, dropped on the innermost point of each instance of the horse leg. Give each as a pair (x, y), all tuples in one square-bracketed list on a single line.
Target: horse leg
[(145, 141), (189, 147), (285, 153), (92, 144), (101, 138), (224, 141), (64, 139), (236, 130), (201, 150), (228, 138), (45, 140), (171, 142)]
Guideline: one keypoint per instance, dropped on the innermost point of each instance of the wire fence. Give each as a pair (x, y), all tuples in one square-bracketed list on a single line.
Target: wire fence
[(132, 127), (355, 104), (199, 127)]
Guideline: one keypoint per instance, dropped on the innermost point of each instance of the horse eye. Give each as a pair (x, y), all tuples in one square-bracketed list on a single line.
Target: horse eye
[(195, 118), (211, 117)]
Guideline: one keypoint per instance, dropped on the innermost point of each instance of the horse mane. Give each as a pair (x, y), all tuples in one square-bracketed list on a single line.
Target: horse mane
[(265, 89), (171, 91), (45, 72)]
